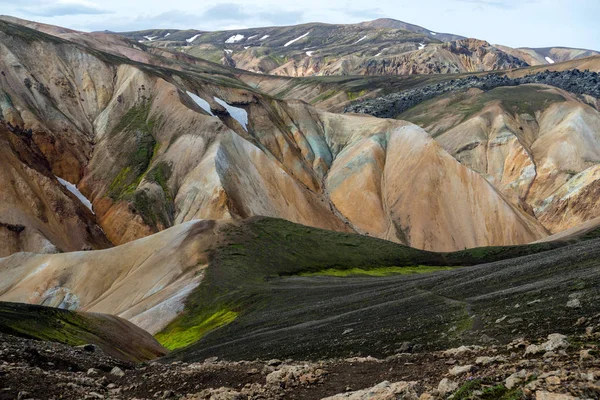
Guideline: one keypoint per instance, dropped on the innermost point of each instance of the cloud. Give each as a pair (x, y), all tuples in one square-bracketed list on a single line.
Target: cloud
[(505, 4), (218, 17), (62, 8), (364, 14), (234, 12)]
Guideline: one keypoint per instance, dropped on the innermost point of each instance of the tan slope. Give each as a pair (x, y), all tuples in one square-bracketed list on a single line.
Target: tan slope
[(144, 281), (574, 233), (548, 56), (405, 206), (37, 213), (538, 145)]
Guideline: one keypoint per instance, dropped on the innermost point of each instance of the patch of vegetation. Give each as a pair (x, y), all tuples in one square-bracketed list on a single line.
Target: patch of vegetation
[(355, 95), (381, 271), (160, 175), (136, 121), (43, 323), (72, 328), (179, 336), (497, 392), (324, 96)]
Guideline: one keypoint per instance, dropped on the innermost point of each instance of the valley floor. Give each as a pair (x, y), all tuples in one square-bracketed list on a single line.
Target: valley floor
[(559, 368)]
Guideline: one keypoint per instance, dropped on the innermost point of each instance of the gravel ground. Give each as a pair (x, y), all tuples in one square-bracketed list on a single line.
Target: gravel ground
[(566, 368), (321, 317)]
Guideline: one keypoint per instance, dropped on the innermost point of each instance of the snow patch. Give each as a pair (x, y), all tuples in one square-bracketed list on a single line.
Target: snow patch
[(432, 33), (168, 34), (190, 40), (309, 53), (246, 47), (73, 189), (251, 37), (421, 46), (360, 40), (201, 102), (228, 51), (235, 38), (380, 53), (150, 38), (550, 61), (264, 37), (239, 114), (295, 40)]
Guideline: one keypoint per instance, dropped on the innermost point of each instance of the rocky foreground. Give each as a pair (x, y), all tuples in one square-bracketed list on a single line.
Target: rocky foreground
[(553, 368)]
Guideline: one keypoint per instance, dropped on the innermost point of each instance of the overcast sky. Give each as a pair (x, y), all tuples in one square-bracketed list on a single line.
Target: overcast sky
[(516, 23)]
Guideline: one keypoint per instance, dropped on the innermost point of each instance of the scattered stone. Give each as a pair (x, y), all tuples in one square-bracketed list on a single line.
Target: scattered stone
[(489, 360), (541, 395), (586, 354), (383, 391), (515, 379), (460, 370), (460, 351), (117, 372), (447, 386), (22, 395), (553, 380), (574, 303), (555, 341)]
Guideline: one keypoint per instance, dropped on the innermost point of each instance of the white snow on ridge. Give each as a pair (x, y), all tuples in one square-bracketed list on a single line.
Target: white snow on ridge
[(309, 53), (360, 40), (239, 114), (295, 40), (235, 38), (246, 47), (551, 61), (251, 37), (264, 37), (150, 38), (190, 40), (168, 34), (433, 33), (73, 189), (421, 46), (228, 51), (201, 102), (381, 52)]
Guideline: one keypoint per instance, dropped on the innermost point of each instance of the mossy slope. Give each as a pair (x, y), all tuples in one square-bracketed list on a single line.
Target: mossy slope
[(115, 336)]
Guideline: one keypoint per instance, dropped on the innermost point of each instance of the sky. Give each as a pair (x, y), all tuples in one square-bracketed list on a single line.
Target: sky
[(515, 23)]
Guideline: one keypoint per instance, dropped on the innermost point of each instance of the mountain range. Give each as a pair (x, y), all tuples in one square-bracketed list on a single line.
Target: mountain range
[(233, 202), (379, 47)]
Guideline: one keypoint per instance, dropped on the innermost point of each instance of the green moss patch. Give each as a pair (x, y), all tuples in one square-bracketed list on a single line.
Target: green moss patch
[(182, 335), (136, 122), (381, 271), (486, 392)]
